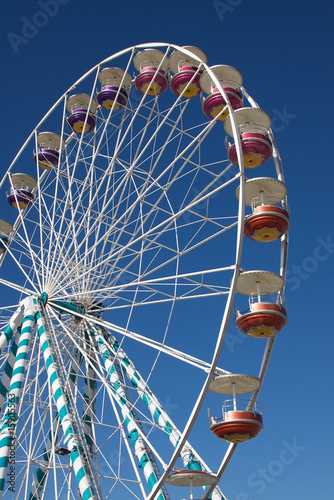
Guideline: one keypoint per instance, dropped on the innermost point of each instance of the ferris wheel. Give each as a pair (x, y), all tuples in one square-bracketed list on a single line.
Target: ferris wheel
[(121, 272)]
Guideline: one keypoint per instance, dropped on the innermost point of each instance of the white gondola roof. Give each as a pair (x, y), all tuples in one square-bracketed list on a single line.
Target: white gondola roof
[(249, 120), (23, 181), (178, 56), (191, 478), (150, 57), (5, 227), (114, 76), (81, 101), (49, 140), (227, 76), (266, 282), (266, 186), (234, 383)]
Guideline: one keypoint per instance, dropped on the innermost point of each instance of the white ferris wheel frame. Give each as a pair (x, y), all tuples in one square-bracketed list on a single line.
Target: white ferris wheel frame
[(209, 368)]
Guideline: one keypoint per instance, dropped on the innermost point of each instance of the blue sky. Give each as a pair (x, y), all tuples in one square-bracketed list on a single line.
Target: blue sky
[(284, 51)]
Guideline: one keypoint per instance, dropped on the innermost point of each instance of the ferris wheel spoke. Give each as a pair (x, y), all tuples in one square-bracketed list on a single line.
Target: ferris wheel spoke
[(43, 218), (166, 263), (70, 229), (105, 268), (195, 142), (30, 251), (40, 212), (165, 224), (18, 288), (105, 195), (52, 237), (53, 208), (68, 223), (182, 356), (185, 280), (82, 191)]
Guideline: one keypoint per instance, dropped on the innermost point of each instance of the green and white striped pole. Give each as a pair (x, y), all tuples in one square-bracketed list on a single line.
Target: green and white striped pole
[(134, 434), (8, 370), (190, 458), (43, 470), (71, 439), (10, 418)]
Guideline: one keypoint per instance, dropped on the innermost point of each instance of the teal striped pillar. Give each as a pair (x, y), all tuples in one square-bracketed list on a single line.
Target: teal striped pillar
[(10, 418), (155, 408), (43, 470), (71, 439), (8, 370), (137, 440), (190, 458)]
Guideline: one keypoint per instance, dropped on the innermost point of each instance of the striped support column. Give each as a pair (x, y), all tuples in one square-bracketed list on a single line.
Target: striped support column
[(155, 408), (71, 439), (190, 458), (137, 441), (8, 370), (11, 328), (10, 418), (43, 470)]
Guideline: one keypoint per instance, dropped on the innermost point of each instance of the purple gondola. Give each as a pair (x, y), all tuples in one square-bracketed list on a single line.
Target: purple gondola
[(48, 153), (82, 118), (20, 195), (115, 83)]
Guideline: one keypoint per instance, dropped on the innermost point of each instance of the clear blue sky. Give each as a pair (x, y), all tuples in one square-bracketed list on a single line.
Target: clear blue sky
[(284, 51)]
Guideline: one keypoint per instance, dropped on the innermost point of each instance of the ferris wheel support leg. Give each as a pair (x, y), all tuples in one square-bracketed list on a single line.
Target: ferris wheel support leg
[(189, 456), (71, 437), (10, 418), (8, 369), (43, 470), (134, 434)]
